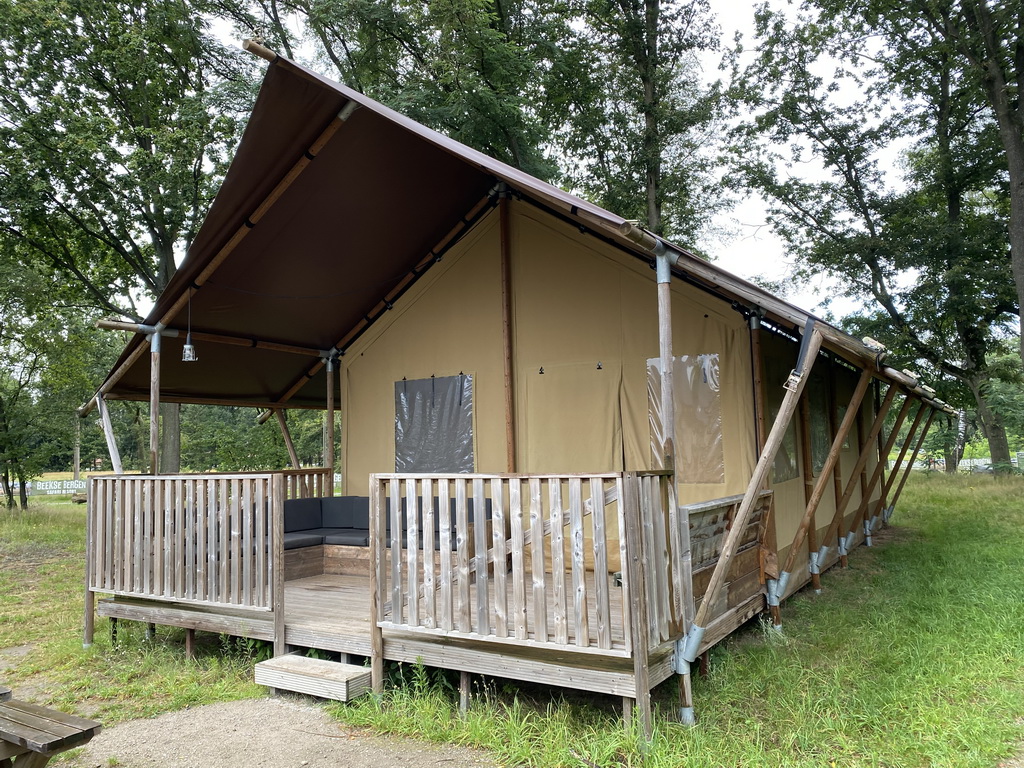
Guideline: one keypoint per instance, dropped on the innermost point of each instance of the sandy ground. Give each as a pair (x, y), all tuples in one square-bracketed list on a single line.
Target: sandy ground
[(260, 732)]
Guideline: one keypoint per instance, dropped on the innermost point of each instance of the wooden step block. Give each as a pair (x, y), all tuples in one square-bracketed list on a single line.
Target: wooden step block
[(314, 677)]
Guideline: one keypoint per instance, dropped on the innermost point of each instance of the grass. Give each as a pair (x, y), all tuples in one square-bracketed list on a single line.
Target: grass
[(912, 657), (42, 562)]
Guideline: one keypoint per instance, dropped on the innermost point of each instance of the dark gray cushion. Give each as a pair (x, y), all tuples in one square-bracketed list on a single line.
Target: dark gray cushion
[(346, 512), (301, 515), (350, 537), (301, 539)]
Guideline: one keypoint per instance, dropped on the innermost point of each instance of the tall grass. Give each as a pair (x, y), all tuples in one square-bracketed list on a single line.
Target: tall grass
[(914, 656), (42, 581)]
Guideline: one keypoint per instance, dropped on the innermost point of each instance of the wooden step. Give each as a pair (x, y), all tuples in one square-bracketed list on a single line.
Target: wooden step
[(314, 677)]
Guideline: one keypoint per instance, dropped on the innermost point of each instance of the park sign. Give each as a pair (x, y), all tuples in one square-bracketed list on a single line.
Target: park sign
[(55, 487)]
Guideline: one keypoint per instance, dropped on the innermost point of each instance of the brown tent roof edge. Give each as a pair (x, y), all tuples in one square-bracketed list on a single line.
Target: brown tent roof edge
[(326, 99)]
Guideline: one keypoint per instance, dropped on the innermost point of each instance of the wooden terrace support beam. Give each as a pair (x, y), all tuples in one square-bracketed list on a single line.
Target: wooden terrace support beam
[(287, 435), (877, 475), (154, 403), (794, 387), (329, 416), (862, 459), (808, 472), (910, 464), (870, 523), (862, 479), (108, 434), (823, 481), (506, 330)]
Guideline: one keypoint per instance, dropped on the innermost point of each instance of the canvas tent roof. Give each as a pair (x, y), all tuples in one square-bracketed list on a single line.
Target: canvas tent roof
[(325, 214)]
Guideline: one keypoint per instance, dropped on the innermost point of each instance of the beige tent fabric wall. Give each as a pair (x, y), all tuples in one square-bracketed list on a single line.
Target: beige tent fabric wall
[(449, 321), (580, 302)]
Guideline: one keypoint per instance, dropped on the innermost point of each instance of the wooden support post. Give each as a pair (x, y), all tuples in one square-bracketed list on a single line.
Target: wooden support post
[(154, 403), (190, 643), (286, 433), (862, 479), (77, 456), (809, 484), (377, 509), (877, 475), (329, 432), (770, 541), (910, 464), (506, 332), (837, 519), (465, 692), (89, 630), (113, 630), (904, 449), (108, 434), (150, 632), (277, 497), (794, 388), (637, 625)]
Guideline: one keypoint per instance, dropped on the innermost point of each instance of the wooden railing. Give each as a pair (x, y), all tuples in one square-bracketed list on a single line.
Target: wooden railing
[(308, 483), (211, 539), (526, 560)]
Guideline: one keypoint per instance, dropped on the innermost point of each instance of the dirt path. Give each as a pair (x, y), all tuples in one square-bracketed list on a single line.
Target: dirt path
[(278, 732)]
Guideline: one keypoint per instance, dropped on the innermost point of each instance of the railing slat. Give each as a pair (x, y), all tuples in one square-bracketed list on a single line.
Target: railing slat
[(445, 575), (600, 541), (515, 503), (558, 562), (464, 620), (579, 582), (483, 612), (396, 551), (540, 602), (412, 549), (500, 557)]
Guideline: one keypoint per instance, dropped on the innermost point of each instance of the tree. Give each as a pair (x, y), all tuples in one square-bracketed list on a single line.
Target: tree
[(944, 227), (115, 120)]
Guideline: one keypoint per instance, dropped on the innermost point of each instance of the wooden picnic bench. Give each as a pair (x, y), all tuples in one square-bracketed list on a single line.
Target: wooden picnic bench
[(30, 735)]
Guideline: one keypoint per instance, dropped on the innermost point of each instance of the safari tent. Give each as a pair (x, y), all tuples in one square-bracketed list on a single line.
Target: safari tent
[(571, 452)]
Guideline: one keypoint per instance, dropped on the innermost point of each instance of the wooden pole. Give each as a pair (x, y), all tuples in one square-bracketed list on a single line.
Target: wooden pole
[(329, 433), (905, 449), (877, 475), (770, 542), (808, 470), (89, 628), (638, 624), (377, 578), (862, 459), (154, 404), (910, 464), (862, 445), (277, 497), (837, 472), (286, 433), (78, 450), (506, 332), (822, 483), (108, 434), (794, 388)]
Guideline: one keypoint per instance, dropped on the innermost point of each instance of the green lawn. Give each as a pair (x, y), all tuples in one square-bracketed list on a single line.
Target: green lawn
[(912, 657)]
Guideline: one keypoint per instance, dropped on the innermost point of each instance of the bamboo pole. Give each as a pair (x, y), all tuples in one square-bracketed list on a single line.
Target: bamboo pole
[(794, 388), (862, 459), (506, 332), (822, 483), (910, 464), (108, 434), (154, 404)]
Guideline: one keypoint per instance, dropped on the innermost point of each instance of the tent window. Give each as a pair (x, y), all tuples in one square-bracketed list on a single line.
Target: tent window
[(821, 433), (776, 372), (434, 424), (698, 404)]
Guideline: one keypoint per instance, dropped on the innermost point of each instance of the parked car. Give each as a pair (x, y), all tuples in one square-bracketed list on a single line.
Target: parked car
[(979, 469)]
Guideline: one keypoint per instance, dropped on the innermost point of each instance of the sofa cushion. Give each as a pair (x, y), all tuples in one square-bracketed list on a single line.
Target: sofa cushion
[(346, 511), (302, 539), (301, 515), (349, 537)]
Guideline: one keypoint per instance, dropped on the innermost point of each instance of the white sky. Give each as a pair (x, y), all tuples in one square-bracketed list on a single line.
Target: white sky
[(749, 248)]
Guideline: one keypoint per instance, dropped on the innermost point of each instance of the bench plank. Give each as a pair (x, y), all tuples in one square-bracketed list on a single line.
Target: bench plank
[(43, 730)]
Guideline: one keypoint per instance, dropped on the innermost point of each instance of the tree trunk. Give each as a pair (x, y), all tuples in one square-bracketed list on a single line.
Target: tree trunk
[(8, 491), (170, 438), (992, 425), (23, 490)]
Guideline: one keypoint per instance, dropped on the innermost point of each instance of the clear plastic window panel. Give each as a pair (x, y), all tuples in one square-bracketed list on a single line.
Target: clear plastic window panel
[(698, 406), (434, 424)]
